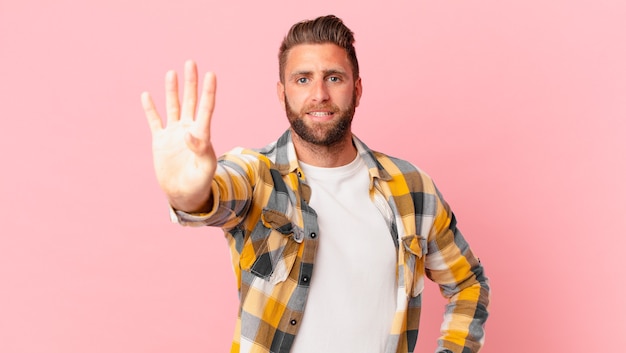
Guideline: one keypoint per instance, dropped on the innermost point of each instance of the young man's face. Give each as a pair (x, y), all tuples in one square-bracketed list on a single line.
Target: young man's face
[(320, 93)]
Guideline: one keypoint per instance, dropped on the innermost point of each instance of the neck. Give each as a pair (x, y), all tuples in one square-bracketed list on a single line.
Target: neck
[(336, 155)]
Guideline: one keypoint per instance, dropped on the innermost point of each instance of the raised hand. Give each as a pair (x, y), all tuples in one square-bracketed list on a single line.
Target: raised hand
[(184, 159)]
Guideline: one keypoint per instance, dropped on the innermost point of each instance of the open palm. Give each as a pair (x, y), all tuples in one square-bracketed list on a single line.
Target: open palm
[(184, 159)]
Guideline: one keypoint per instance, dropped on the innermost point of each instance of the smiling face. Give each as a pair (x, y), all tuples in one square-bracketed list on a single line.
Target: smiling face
[(320, 93)]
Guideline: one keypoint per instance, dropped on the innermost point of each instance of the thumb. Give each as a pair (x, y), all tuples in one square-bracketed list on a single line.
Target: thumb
[(197, 145)]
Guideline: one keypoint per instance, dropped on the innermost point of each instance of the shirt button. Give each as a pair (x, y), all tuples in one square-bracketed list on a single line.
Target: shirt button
[(313, 235), (293, 322), (299, 174)]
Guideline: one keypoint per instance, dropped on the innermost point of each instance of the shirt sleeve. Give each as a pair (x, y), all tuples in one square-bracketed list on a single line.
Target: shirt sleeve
[(232, 190), (460, 276)]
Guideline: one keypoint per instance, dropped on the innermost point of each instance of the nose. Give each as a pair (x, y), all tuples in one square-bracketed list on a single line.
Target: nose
[(320, 91)]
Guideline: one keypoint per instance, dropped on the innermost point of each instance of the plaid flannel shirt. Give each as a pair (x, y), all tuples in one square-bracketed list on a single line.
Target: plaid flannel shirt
[(260, 200)]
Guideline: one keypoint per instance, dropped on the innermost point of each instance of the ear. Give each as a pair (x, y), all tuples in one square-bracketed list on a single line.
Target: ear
[(358, 90), (280, 91)]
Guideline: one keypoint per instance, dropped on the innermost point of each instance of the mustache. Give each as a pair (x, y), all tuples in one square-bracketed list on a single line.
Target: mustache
[(327, 107)]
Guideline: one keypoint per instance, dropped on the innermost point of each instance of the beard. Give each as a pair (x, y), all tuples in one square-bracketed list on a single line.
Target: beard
[(324, 134)]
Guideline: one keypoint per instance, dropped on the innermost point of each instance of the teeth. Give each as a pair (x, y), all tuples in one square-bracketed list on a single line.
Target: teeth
[(320, 113)]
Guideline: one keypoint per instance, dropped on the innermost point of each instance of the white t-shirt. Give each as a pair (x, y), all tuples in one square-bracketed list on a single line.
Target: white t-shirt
[(352, 298)]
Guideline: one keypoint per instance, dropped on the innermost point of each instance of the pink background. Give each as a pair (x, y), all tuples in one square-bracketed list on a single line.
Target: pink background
[(516, 108)]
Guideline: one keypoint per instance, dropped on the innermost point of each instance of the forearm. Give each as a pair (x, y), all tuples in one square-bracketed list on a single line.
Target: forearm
[(229, 200), (201, 202), (461, 278), (465, 316)]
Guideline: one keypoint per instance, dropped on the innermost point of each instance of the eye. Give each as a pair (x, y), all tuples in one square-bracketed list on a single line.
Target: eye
[(302, 80), (334, 79)]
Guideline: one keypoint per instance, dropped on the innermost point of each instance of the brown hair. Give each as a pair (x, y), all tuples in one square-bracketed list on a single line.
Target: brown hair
[(324, 29)]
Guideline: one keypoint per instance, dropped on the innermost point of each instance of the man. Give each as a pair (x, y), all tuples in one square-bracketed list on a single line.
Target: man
[(330, 241)]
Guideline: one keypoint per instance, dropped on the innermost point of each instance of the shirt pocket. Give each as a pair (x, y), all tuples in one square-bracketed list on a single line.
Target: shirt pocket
[(414, 251), (272, 247)]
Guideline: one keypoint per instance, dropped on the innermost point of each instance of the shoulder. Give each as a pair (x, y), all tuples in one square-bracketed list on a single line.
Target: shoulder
[(389, 168), (266, 154), (401, 169)]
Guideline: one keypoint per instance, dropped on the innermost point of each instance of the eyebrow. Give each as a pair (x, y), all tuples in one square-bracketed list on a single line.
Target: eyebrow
[(328, 72)]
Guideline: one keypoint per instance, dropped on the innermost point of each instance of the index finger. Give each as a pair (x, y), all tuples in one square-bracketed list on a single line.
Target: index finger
[(154, 120), (207, 102)]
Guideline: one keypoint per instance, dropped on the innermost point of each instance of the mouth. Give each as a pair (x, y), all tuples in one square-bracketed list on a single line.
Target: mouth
[(321, 115)]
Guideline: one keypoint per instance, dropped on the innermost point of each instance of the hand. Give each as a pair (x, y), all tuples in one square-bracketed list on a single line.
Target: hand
[(184, 159)]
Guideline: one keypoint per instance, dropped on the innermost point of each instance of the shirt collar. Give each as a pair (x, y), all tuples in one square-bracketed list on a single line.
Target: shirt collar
[(287, 161)]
